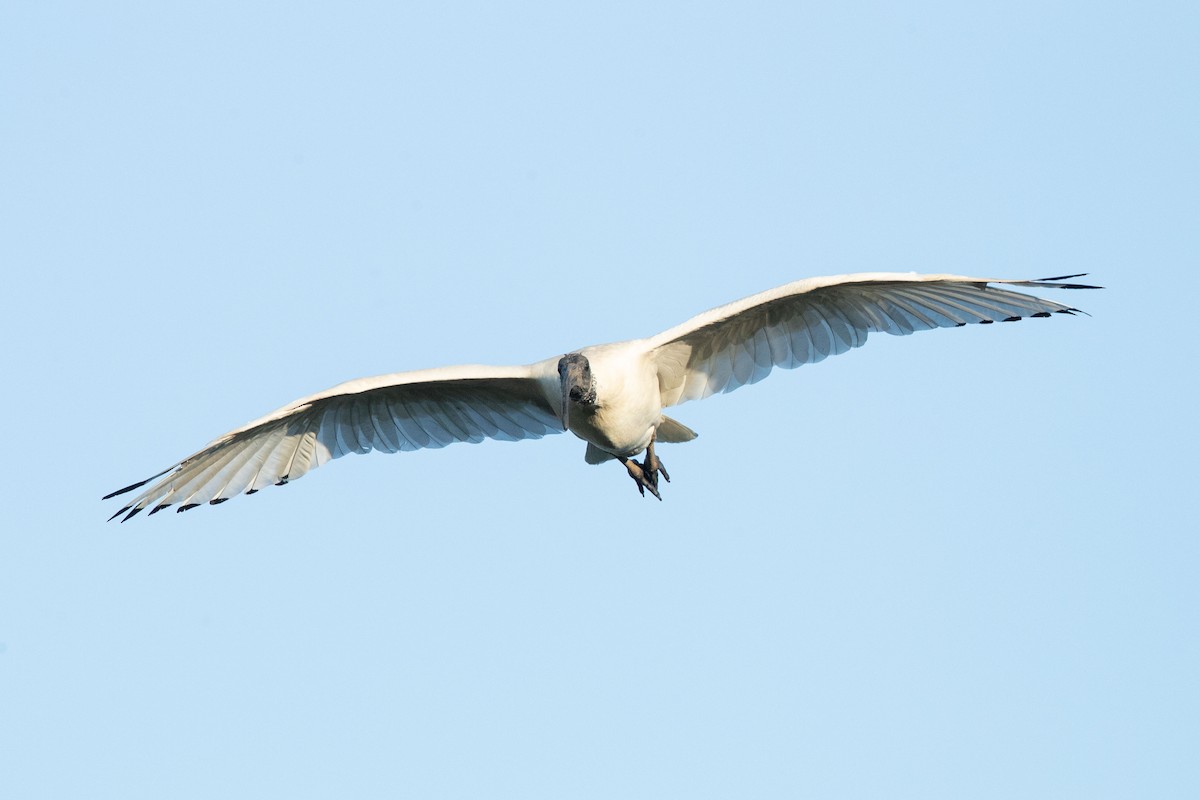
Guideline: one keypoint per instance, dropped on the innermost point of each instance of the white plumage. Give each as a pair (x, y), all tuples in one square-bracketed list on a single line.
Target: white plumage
[(610, 395)]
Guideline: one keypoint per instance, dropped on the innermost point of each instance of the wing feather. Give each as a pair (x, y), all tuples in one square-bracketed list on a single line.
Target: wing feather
[(391, 413), (809, 320), (387, 440), (281, 461), (193, 480), (241, 471)]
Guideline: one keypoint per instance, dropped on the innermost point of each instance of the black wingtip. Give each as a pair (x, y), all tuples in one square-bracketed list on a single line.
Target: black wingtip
[(186, 507), (1067, 285), (120, 511), (128, 488)]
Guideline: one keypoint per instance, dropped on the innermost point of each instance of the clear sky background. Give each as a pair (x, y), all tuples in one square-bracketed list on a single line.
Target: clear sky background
[(958, 564)]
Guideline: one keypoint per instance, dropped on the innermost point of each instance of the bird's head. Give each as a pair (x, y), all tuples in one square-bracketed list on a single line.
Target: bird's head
[(578, 387)]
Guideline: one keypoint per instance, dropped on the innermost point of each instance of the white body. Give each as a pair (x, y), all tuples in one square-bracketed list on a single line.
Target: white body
[(630, 405)]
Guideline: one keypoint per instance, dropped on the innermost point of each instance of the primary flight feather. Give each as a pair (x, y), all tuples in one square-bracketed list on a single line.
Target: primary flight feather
[(609, 395)]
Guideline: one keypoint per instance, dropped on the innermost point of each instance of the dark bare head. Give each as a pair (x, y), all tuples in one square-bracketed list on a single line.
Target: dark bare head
[(578, 386)]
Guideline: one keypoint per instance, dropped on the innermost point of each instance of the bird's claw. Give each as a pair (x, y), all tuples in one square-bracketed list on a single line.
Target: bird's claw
[(644, 478), (645, 474), (653, 467)]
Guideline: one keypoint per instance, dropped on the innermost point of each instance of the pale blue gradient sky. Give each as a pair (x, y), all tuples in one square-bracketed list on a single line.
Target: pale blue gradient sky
[(960, 564)]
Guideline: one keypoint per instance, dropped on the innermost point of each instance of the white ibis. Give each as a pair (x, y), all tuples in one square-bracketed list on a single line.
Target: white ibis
[(610, 395)]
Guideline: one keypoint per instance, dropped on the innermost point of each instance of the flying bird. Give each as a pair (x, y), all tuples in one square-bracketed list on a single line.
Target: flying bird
[(611, 396)]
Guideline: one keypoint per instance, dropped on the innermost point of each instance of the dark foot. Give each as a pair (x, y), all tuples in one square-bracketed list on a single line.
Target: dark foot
[(645, 474), (643, 478), (653, 466)]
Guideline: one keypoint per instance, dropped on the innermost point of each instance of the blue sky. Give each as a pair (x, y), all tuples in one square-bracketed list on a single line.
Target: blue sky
[(958, 564)]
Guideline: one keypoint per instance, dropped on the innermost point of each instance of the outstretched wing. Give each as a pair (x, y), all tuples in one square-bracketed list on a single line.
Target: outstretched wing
[(808, 320), (404, 411)]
